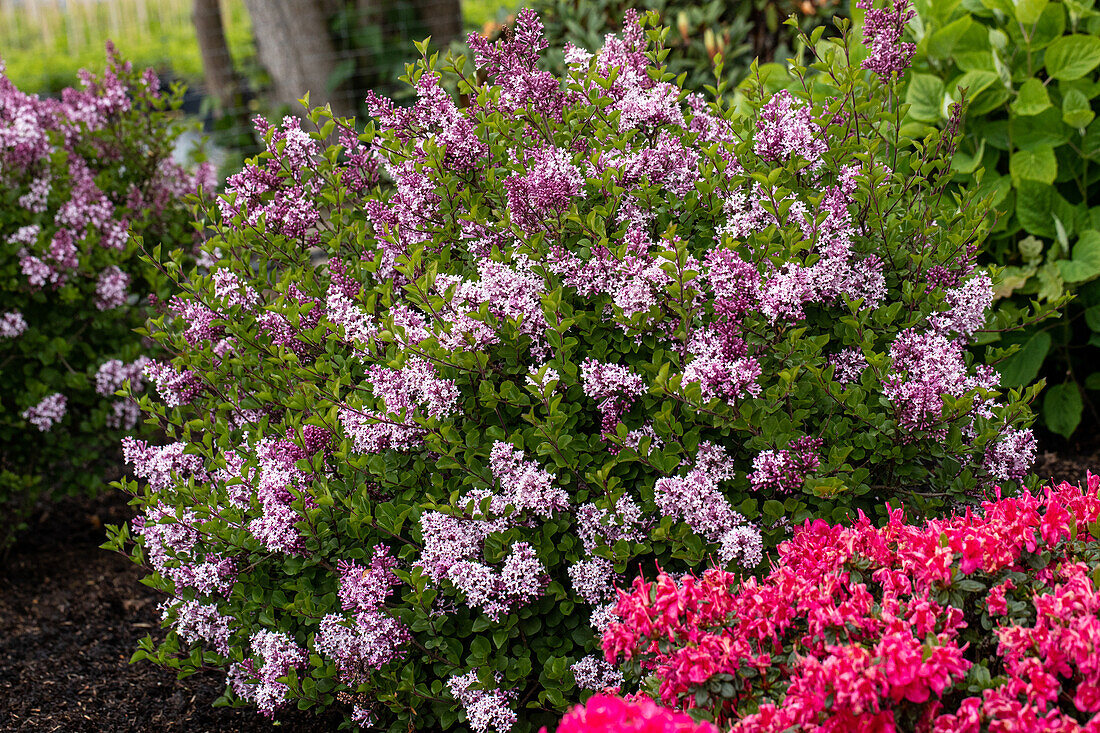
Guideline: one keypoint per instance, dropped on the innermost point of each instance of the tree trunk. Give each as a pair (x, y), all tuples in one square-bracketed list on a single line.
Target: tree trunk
[(217, 63), (293, 43)]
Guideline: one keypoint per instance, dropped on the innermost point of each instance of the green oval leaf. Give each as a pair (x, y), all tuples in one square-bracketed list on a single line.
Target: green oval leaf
[(924, 97), (1038, 164), (1031, 99), (1071, 57), (1062, 408), (1020, 369), (1085, 264)]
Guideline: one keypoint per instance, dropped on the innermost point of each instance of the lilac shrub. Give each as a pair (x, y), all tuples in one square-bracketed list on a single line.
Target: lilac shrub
[(85, 179), (447, 382)]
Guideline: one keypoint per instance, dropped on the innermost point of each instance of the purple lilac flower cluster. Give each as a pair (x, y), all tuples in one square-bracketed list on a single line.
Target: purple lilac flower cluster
[(485, 709), (278, 654), (48, 412), (365, 637), (696, 499)]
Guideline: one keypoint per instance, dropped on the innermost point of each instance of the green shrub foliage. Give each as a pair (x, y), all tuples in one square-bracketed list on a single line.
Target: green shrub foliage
[(451, 378), (1032, 71), (82, 179)]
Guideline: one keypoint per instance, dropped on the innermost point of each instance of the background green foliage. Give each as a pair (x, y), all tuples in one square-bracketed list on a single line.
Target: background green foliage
[(740, 31), (1032, 142)]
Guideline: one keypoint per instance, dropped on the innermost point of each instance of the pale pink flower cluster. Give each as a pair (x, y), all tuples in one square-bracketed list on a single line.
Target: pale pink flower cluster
[(176, 387), (278, 654), (849, 364), (195, 621), (593, 673), (114, 373), (613, 386), (884, 29), (158, 464), (785, 470), (540, 195), (696, 500), (231, 290), (519, 581), (1011, 455), (523, 485), (969, 304), (785, 129), (485, 709), (48, 412), (415, 390), (12, 324), (365, 637), (927, 366)]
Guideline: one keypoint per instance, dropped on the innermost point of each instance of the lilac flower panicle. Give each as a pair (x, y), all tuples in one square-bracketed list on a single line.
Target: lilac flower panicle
[(485, 709), (523, 484), (592, 580), (12, 324), (195, 621), (594, 673), (884, 29), (48, 412), (279, 654), (1011, 456)]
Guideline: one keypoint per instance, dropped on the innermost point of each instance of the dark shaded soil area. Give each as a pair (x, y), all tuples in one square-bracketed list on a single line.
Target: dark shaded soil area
[(71, 615)]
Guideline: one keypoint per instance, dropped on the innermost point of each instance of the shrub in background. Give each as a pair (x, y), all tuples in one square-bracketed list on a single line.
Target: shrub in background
[(80, 177), (1033, 74), (740, 32), (983, 621), (589, 323)]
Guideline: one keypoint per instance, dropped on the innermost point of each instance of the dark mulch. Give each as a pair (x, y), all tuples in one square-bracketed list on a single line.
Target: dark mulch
[(71, 615)]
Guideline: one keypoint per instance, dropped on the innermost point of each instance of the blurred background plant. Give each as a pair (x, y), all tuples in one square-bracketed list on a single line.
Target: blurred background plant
[(1032, 141), (741, 32)]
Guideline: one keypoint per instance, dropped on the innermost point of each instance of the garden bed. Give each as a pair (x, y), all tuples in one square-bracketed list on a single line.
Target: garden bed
[(71, 615)]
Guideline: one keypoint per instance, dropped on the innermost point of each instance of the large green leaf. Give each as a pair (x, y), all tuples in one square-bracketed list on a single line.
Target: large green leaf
[(1020, 369), (1033, 208), (1029, 11), (1045, 128), (1085, 264), (1038, 164), (1051, 26), (1090, 143), (1071, 57), (1062, 408), (1031, 99), (1076, 110), (925, 97), (943, 41)]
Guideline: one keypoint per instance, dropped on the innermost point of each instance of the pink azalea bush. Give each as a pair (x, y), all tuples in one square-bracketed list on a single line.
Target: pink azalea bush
[(87, 180), (608, 714), (445, 382), (984, 621)]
